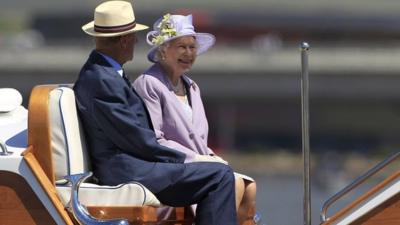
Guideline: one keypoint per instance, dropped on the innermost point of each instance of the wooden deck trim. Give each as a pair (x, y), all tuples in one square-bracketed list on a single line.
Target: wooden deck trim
[(46, 184), (19, 203), (362, 198), (387, 213), (142, 214)]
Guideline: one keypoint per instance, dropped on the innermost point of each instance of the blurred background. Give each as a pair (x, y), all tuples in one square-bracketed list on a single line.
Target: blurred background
[(250, 82)]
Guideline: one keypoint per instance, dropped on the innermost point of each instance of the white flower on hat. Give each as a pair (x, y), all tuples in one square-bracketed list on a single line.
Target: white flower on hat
[(167, 30)]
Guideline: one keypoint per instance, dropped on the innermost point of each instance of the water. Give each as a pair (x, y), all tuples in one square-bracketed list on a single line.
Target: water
[(280, 198)]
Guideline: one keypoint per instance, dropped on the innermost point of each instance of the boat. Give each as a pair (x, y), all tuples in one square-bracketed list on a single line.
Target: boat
[(45, 174), (43, 165)]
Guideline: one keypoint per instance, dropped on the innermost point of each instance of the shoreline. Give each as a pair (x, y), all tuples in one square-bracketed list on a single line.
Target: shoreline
[(282, 163)]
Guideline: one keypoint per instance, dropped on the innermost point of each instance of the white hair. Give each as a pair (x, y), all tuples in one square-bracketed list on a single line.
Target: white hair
[(160, 49)]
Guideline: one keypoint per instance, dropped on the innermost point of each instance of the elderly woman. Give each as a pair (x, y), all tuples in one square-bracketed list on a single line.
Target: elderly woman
[(174, 101)]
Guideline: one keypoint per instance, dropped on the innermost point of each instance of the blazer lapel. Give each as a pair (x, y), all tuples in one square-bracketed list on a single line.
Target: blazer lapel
[(190, 89), (188, 86)]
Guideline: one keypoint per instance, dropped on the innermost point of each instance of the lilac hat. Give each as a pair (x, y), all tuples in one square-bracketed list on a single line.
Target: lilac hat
[(170, 27)]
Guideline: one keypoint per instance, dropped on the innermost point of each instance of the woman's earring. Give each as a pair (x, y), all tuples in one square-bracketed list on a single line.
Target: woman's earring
[(162, 57)]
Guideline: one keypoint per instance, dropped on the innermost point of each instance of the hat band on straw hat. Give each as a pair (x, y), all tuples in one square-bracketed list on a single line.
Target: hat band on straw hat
[(114, 29)]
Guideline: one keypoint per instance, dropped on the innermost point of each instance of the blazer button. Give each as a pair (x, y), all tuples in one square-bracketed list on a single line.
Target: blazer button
[(191, 135)]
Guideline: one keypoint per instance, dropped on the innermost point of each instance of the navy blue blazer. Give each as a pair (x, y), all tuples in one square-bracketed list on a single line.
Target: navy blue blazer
[(120, 137)]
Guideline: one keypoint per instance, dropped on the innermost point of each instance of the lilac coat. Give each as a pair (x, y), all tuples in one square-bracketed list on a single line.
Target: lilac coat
[(172, 126)]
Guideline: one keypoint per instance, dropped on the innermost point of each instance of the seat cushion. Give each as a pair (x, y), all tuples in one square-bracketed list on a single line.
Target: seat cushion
[(11, 110), (10, 99), (128, 194), (67, 138)]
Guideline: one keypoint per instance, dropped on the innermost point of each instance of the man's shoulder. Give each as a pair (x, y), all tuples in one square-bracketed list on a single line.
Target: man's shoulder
[(94, 81), (93, 72)]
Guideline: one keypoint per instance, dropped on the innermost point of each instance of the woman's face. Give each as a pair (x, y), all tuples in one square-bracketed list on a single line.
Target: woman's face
[(180, 54)]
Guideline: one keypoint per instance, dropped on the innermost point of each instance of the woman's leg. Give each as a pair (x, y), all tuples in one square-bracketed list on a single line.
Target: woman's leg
[(247, 207), (239, 191)]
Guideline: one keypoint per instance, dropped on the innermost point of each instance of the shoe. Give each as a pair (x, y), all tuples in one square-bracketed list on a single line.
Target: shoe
[(257, 219)]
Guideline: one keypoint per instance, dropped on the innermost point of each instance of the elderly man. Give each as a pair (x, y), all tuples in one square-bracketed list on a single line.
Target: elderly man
[(121, 140)]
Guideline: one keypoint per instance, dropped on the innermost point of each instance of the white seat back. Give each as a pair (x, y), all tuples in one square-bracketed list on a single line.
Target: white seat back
[(68, 144), (70, 156)]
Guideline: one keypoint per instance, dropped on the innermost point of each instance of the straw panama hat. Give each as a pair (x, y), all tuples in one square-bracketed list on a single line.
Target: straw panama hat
[(113, 18), (170, 27)]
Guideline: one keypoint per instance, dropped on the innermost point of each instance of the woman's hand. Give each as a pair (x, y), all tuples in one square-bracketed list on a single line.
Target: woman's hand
[(220, 159), (209, 158)]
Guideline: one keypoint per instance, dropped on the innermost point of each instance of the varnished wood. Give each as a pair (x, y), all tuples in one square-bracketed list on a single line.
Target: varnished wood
[(46, 184), (363, 198), (143, 215), (39, 130), (386, 214), (19, 205), (132, 214)]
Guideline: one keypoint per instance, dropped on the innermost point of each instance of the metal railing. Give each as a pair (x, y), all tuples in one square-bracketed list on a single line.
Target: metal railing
[(79, 211), (4, 150), (356, 183)]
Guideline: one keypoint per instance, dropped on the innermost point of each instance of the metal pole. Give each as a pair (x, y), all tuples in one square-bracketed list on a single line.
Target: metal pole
[(305, 133)]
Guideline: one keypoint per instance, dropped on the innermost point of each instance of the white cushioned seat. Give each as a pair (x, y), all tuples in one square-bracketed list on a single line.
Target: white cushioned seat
[(128, 194), (71, 157), (10, 99), (11, 110)]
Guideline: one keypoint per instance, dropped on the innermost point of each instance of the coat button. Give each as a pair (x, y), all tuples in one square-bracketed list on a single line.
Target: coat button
[(202, 136), (191, 135)]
